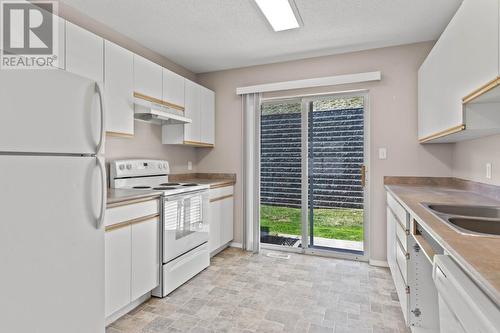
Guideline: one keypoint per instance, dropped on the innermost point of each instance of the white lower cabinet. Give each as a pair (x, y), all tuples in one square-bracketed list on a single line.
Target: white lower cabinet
[(145, 257), (118, 262), (221, 218), (411, 271), (132, 253)]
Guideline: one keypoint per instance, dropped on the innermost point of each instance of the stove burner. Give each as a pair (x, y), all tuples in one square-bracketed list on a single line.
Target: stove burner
[(169, 184), (162, 188), (190, 184), (141, 187)]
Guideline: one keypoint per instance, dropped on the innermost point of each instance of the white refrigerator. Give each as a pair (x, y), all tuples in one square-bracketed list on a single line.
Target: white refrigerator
[(52, 203)]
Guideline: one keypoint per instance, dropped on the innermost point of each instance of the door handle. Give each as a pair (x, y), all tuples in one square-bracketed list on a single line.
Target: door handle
[(363, 175), (102, 209), (102, 119)]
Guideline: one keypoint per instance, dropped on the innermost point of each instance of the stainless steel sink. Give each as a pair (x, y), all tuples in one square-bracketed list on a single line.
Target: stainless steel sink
[(477, 225), (469, 219), (466, 210)]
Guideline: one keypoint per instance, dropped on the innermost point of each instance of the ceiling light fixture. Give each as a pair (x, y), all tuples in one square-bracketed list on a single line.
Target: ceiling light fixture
[(279, 13)]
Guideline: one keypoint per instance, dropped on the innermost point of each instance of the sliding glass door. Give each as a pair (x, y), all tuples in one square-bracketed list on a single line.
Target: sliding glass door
[(313, 173)]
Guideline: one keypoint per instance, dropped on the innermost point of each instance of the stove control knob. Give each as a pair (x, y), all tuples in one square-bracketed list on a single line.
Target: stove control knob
[(165, 166), (129, 166), (121, 167)]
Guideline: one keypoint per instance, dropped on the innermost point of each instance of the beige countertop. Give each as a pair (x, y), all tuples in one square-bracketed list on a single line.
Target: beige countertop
[(479, 256)]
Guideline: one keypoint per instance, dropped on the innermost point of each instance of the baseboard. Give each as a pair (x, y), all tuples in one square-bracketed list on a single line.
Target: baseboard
[(126, 309), (378, 263), (237, 245)]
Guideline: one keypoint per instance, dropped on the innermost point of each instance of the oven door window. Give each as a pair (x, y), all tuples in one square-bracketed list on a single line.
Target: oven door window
[(185, 216)]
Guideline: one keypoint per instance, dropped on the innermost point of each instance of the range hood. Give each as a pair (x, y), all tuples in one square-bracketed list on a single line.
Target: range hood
[(157, 111)]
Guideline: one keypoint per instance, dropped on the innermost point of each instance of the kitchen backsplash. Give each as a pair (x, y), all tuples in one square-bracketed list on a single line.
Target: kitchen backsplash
[(146, 143)]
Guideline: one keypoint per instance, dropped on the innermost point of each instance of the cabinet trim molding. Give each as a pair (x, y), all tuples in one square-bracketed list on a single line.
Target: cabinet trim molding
[(158, 101), (481, 90), (130, 222), (198, 144), (221, 198), (451, 130)]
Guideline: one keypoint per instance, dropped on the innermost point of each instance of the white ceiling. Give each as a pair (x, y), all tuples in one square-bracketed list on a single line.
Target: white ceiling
[(209, 35)]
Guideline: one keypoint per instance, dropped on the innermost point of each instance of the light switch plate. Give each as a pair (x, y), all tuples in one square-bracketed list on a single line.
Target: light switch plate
[(488, 170), (382, 153), (190, 165)]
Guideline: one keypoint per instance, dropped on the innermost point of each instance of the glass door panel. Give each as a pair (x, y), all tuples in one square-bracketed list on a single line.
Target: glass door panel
[(281, 173), (336, 173)]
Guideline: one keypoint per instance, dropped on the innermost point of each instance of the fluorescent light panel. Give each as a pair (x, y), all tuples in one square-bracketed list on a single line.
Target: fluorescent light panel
[(279, 13)]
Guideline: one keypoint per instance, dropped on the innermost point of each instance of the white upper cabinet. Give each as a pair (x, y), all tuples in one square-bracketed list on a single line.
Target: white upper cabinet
[(465, 58), (119, 89), (192, 132), (84, 53), (199, 106), (147, 78), (207, 111), (173, 88)]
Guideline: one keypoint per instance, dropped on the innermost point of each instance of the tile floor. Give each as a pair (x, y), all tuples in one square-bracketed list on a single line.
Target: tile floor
[(241, 292)]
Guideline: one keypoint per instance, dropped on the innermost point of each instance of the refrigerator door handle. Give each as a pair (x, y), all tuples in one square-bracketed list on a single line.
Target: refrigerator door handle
[(102, 213), (103, 112)]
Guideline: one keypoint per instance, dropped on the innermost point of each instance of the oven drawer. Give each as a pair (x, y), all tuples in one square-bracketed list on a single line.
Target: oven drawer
[(180, 270)]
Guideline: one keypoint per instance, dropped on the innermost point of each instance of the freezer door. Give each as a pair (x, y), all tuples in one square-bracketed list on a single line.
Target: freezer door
[(51, 247), (50, 111)]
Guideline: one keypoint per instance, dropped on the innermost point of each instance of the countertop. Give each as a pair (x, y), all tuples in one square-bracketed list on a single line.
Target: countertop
[(479, 256)]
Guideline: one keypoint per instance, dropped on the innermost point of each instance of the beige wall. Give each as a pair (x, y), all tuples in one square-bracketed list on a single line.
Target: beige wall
[(146, 143), (470, 158), (393, 112)]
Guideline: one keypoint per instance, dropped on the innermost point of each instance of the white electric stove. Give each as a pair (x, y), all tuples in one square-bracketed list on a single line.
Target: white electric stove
[(184, 224)]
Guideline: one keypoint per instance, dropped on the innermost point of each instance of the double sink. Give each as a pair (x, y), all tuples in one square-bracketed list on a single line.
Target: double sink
[(469, 219)]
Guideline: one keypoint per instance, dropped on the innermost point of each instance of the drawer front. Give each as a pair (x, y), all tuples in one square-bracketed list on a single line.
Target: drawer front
[(127, 212), (401, 290), (401, 261), (398, 210), (221, 192), (402, 234)]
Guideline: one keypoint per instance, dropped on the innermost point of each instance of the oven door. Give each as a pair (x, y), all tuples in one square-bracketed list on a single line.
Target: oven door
[(185, 223)]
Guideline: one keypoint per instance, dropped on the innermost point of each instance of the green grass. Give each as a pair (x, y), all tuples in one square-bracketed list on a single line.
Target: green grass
[(338, 223)]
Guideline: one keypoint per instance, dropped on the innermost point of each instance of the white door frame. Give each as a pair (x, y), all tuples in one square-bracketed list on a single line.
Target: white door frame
[(305, 100)]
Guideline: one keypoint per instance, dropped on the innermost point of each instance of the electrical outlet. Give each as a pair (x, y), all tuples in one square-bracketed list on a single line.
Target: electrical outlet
[(190, 165), (488, 170), (382, 153)]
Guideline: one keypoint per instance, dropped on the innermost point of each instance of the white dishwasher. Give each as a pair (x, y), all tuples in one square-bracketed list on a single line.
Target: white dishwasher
[(463, 307)]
